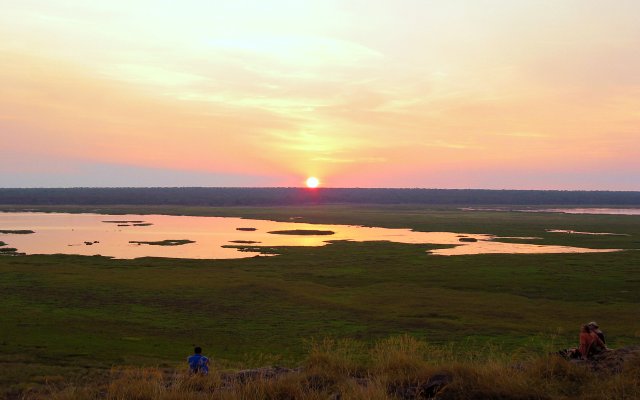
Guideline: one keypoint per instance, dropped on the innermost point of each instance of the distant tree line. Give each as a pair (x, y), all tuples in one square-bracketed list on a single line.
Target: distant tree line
[(204, 196)]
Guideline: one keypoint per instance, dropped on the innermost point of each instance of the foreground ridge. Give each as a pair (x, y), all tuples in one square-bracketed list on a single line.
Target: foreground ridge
[(396, 370)]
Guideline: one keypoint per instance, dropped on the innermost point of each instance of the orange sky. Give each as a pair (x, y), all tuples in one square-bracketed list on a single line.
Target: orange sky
[(451, 94)]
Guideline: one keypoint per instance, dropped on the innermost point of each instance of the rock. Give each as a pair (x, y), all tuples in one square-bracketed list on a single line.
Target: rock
[(427, 390), (613, 360), (258, 373), (435, 384)]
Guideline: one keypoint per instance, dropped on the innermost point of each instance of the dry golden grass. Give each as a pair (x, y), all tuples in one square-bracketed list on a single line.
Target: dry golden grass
[(399, 367)]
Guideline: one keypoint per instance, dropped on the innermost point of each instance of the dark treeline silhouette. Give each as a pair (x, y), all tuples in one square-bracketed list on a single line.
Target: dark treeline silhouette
[(201, 196)]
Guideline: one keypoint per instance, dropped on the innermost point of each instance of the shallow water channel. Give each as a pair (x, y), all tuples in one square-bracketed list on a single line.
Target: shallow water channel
[(124, 236)]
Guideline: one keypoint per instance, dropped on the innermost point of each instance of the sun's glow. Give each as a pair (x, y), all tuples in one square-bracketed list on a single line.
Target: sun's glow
[(312, 182)]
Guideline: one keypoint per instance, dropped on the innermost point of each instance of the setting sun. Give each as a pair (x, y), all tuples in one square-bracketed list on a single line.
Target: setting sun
[(312, 182)]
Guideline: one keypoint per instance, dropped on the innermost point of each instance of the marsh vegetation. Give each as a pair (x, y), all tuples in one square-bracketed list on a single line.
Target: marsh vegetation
[(16, 231), (166, 242), (309, 232)]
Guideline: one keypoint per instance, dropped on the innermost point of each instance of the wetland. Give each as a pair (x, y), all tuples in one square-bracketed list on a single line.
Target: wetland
[(70, 316)]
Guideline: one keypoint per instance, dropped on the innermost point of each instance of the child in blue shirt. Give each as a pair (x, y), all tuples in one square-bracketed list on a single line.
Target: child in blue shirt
[(198, 364)]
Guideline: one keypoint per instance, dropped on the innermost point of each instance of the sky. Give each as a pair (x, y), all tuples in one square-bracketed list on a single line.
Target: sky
[(433, 94)]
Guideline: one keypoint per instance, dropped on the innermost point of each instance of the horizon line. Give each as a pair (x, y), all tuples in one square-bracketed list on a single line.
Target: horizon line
[(315, 189)]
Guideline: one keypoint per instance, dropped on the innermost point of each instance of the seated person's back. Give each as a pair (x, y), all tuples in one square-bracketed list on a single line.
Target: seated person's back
[(590, 343), (198, 364)]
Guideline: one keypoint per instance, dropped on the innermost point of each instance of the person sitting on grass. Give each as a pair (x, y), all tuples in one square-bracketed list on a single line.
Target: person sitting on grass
[(198, 364), (590, 343), (596, 329)]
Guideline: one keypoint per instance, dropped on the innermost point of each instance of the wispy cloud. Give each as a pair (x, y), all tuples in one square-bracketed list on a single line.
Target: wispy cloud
[(523, 134), (450, 145), (366, 160)]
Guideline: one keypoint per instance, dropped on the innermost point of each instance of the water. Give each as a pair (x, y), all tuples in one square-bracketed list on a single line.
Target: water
[(604, 211), (58, 233), (572, 232)]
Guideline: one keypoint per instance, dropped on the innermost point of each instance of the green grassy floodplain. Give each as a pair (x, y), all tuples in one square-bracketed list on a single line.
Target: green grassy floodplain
[(74, 317)]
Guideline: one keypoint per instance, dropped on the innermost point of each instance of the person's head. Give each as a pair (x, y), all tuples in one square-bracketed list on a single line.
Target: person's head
[(197, 350), (593, 325), (586, 328)]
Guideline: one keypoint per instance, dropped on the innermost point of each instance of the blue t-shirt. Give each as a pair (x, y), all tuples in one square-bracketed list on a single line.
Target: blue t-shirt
[(198, 364)]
